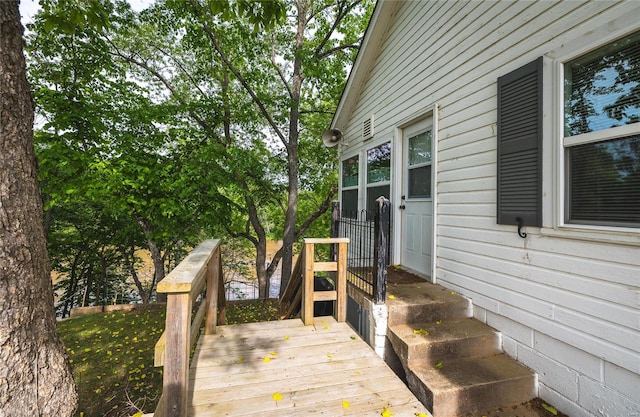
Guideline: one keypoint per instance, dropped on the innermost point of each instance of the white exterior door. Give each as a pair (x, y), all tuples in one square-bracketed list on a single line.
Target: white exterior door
[(416, 205)]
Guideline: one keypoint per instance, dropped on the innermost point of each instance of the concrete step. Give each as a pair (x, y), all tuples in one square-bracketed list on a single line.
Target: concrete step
[(425, 302), (441, 340), (459, 386)]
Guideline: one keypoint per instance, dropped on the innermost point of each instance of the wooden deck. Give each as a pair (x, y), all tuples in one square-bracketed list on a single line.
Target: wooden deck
[(284, 368)]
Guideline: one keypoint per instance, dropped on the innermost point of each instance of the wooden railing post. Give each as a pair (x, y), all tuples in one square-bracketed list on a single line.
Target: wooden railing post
[(213, 273), (307, 284), (183, 285), (176, 361), (341, 284)]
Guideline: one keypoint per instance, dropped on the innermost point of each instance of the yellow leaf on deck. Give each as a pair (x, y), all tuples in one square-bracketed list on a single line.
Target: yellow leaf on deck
[(421, 415), (241, 359), (286, 338), (327, 327), (439, 365), (266, 360), (329, 356), (453, 293), (277, 396), (345, 404), (386, 412), (391, 297), (550, 409), (138, 414), (421, 331), (273, 353)]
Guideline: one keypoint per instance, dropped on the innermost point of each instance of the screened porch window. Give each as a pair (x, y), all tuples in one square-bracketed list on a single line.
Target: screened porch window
[(350, 171), (378, 174), (602, 135)]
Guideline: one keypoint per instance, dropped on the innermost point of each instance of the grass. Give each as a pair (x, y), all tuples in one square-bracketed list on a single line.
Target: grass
[(112, 356)]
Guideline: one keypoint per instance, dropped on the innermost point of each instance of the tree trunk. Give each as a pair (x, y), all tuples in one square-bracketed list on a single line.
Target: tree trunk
[(35, 375), (156, 257), (130, 258), (288, 235)]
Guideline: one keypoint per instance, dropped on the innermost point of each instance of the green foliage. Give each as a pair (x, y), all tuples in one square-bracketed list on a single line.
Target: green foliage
[(189, 119)]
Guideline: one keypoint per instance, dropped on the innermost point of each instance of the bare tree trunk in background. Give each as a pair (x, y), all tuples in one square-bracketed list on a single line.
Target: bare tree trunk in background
[(156, 257), (35, 375)]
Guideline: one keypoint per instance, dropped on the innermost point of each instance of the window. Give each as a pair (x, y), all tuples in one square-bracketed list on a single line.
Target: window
[(602, 135), (350, 173), (378, 174), (419, 166)]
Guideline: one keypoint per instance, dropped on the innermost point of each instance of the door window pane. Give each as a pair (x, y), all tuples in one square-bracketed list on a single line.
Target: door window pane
[(420, 148), (420, 182)]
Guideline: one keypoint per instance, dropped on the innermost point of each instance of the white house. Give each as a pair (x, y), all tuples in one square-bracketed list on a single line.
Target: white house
[(507, 136)]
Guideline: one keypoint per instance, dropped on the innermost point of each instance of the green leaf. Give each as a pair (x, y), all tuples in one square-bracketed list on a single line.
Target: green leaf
[(550, 409)]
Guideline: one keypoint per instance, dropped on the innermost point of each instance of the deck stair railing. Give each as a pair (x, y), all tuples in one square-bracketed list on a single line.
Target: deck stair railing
[(299, 296), (184, 285)]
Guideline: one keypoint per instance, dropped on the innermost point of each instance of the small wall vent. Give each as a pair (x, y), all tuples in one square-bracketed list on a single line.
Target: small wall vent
[(367, 128)]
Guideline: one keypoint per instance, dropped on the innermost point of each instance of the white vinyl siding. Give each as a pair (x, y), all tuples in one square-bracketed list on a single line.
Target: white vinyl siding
[(556, 292)]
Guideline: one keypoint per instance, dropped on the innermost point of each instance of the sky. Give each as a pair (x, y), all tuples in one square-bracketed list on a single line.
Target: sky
[(29, 8)]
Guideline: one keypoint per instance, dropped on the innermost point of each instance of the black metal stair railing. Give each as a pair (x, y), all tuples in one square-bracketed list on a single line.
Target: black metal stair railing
[(369, 249)]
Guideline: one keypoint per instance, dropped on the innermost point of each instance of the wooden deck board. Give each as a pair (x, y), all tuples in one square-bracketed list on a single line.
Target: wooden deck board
[(314, 368)]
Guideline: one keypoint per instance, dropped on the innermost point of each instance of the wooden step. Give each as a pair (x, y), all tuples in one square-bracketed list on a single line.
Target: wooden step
[(420, 303), (459, 386), (429, 343)]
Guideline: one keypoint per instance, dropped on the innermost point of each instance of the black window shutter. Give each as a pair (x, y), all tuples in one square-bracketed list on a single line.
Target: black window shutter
[(519, 168)]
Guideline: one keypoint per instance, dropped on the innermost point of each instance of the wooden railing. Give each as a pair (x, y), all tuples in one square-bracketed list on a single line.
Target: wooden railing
[(299, 296), (183, 286)]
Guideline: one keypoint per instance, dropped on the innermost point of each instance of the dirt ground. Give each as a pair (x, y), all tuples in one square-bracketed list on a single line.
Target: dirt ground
[(533, 408)]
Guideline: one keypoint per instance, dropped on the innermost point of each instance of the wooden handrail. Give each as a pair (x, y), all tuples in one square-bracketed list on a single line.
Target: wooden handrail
[(300, 295), (183, 285)]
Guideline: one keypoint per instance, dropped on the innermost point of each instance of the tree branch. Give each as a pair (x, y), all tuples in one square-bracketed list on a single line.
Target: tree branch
[(131, 59), (278, 69), (216, 44), (338, 49), (322, 208), (343, 10)]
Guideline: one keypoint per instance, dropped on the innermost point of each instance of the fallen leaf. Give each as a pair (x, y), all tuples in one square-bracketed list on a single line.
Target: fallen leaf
[(386, 412), (453, 293), (345, 404), (273, 353), (327, 327), (266, 360), (138, 414), (353, 338), (439, 365), (277, 396), (438, 321), (391, 297), (550, 409), (286, 338), (423, 332), (241, 359), (330, 356), (421, 415)]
